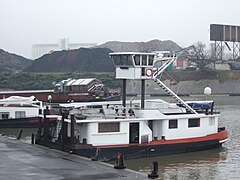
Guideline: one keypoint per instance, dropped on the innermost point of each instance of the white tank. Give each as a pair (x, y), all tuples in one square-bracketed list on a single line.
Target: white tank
[(207, 91)]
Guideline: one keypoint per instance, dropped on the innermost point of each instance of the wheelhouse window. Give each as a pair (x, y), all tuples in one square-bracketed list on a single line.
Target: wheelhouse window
[(4, 115), (144, 60), (108, 127), (20, 114), (194, 122), (173, 124), (123, 60), (150, 60), (117, 60), (127, 59), (137, 60)]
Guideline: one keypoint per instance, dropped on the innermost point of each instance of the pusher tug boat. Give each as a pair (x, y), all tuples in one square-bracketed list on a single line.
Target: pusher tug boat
[(102, 130)]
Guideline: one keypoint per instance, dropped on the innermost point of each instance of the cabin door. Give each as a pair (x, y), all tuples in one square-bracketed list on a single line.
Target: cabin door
[(150, 124), (134, 132)]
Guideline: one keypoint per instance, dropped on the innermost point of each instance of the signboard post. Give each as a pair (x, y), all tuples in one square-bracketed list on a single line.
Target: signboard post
[(225, 33)]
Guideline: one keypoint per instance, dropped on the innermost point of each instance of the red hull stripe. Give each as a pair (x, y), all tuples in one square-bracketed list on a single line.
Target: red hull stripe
[(36, 120), (220, 136)]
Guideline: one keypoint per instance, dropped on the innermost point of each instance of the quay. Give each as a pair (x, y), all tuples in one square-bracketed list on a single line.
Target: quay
[(21, 161)]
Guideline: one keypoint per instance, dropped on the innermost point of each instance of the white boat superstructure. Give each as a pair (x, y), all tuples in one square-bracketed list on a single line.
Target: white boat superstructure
[(24, 112), (19, 107), (140, 128), (109, 124)]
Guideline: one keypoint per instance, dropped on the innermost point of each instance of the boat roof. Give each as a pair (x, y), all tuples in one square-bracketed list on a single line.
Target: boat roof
[(76, 82), (19, 100), (83, 81), (27, 91), (81, 104), (164, 117), (132, 53), (69, 83), (200, 102)]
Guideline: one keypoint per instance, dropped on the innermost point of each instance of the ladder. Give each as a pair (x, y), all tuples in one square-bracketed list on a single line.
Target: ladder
[(58, 129), (163, 67), (165, 88)]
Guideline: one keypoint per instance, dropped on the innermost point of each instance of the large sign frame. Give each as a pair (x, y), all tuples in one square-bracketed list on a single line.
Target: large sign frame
[(220, 32)]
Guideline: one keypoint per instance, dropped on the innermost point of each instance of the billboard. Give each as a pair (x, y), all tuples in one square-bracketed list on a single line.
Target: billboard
[(220, 32)]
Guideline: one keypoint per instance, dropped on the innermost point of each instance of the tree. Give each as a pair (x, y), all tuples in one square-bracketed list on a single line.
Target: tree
[(200, 56)]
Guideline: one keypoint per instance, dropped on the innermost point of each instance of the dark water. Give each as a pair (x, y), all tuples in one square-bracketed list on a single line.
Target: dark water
[(13, 132), (220, 163)]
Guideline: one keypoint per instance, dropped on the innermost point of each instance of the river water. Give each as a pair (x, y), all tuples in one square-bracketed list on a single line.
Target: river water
[(220, 163)]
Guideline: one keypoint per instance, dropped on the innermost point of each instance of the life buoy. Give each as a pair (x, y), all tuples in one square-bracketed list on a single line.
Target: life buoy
[(149, 72)]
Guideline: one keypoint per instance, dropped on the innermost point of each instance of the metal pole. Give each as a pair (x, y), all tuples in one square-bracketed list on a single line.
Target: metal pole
[(64, 129), (32, 140), (124, 93), (154, 170), (39, 128), (46, 125), (72, 129), (142, 93), (119, 162), (19, 134)]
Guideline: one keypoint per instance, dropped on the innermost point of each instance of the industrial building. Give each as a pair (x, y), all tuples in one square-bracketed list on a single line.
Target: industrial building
[(39, 50)]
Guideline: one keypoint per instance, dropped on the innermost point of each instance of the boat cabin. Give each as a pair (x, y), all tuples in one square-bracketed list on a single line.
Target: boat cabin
[(133, 65), (106, 124), (10, 112), (138, 65), (19, 107), (78, 85)]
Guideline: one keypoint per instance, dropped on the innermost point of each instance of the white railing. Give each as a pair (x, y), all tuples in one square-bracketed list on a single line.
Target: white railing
[(165, 88)]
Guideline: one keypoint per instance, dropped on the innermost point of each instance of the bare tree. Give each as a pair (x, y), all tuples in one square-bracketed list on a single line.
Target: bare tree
[(200, 56)]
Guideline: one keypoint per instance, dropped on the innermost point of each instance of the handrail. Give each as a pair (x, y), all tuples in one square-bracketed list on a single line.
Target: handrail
[(164, 87)]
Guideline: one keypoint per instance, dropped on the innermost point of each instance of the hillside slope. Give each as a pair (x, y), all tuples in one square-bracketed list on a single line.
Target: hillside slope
[(79, 60), (153, 45), (94, 59), (12, 63)]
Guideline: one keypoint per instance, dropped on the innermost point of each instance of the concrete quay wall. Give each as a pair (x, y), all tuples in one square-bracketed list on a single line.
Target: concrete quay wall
[(222, 82)]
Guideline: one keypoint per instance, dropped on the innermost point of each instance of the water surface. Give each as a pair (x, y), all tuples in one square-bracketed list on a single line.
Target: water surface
[(220, 163)]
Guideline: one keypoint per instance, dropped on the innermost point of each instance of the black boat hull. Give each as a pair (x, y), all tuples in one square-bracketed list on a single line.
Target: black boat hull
[(30, 122), (133, 151)]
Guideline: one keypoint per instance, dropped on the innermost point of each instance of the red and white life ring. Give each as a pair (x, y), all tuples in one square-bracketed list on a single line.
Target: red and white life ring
[(149, 72)]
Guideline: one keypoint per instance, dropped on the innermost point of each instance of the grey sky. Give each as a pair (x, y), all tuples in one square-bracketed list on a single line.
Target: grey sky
[(27, 22)]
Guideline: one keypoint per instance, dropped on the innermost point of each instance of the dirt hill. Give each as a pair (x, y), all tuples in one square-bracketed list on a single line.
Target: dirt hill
[(85, 60), (79, 60), (12, 63), (153, 45)]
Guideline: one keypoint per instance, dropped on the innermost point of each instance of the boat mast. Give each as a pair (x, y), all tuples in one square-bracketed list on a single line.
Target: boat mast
[(124, 93)]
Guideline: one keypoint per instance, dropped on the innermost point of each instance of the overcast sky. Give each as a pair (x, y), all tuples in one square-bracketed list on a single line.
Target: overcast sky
[(27, 22)]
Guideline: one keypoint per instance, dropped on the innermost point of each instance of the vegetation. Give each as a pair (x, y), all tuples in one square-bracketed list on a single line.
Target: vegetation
[(202, 57), (78, 60), (43, 81)]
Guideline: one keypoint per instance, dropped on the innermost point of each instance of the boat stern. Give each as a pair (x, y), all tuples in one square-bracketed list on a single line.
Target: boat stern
[(222, 135)]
